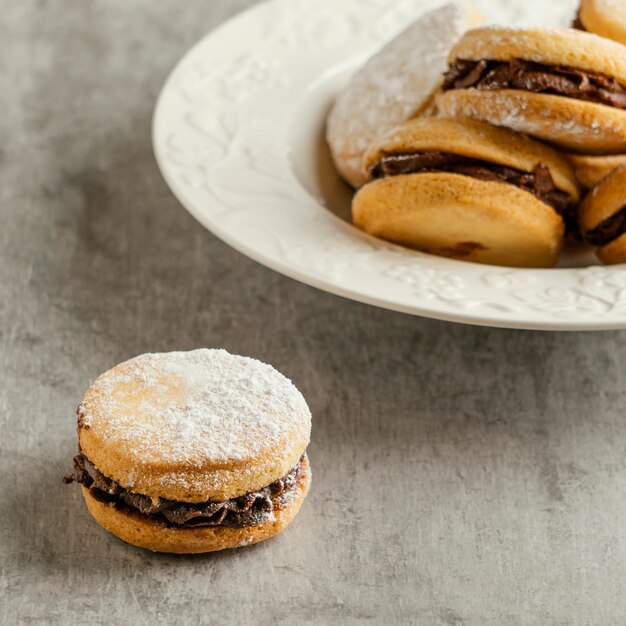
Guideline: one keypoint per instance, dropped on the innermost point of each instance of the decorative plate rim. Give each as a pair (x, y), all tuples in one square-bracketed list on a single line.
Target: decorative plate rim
[(221, 137)]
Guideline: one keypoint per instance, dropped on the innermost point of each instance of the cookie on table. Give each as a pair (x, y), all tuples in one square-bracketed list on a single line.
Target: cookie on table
[(563, 86), (191, 452), (590, 169), (606, 18), (395, 84), (467, 190), (602, 216)]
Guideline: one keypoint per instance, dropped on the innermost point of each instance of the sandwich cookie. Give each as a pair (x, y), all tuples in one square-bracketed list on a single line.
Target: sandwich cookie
[(193, 452), (590, 169), (467, 190), (606, 18), (395, 84), (602, 216), (563, 86)]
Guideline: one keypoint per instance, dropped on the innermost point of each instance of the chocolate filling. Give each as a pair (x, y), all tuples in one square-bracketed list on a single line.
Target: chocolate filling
[(248, 510), (539, 182), (538, 78), (608, 230), (578, 24)]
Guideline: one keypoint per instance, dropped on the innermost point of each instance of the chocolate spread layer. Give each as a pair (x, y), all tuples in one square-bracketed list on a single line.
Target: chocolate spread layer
[(539, 182), (247, 510), (578, 24), (608, 230), (538, 78)]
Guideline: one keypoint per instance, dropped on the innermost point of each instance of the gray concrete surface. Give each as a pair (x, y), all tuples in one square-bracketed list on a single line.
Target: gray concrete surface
[(463, 476)]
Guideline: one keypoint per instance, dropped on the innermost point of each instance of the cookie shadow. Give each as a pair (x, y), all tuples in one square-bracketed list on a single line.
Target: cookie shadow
[(47, 529)]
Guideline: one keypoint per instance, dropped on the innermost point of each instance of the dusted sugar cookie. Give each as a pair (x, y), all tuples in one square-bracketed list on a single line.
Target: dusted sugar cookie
[(590, 169), (193, 452), (602, 216), (395, 84), (563, 86), (606, 18), (467, 190)]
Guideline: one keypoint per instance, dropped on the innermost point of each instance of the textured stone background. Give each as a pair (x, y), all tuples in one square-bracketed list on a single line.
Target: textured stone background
[(462, 475)]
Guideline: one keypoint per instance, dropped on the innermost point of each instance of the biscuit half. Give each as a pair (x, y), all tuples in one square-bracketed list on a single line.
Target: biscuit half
[(461, 217), (613, 253), (476, 140), (191, 427), (144, 532), (606, 18), (591, 169), (571, 124), (547, 46)]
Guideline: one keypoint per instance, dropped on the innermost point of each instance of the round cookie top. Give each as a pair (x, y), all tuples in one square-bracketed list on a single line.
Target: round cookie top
[(547, 46), (591, 169), (395, 84), (606, 18), (604, 200), (476, 140), (193, 426)]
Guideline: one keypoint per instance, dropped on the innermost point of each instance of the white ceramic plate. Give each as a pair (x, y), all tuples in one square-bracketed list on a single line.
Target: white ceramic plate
[(238, 135)]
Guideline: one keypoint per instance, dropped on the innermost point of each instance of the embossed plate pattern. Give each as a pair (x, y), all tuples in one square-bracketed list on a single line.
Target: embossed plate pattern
[(237, 134)]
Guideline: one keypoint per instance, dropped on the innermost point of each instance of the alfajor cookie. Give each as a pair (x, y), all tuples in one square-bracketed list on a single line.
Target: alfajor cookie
[(192, 452), (395, 84), (606, 18), (602, 217), (591, 169), (563, 86), (467, 190)]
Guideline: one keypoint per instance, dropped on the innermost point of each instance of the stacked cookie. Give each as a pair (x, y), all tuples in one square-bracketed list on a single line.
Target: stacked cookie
[(525, 119), (191, 452), (460, 188)]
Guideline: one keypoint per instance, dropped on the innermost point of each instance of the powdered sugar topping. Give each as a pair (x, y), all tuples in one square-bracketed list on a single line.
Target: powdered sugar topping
[(394, 83), (193, 407)]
